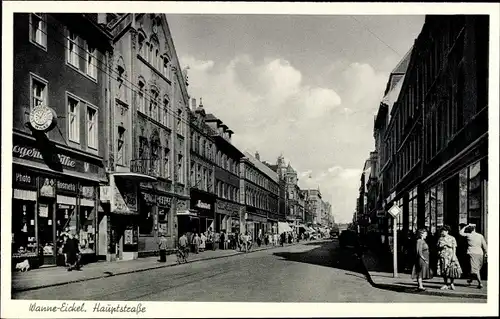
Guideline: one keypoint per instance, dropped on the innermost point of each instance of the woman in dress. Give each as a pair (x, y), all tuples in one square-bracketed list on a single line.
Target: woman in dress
[(448, 265), (476, 250), (421, 269)]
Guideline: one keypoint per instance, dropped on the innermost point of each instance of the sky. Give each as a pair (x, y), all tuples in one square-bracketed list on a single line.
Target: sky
[(307, 87)]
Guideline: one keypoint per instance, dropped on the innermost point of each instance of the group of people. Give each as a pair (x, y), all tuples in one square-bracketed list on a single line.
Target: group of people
[(448, 265)]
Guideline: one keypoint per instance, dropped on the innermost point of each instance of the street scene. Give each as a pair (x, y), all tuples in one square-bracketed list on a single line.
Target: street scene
[(250, 158)]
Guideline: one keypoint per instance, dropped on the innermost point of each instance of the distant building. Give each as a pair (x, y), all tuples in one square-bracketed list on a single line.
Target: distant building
[(260, 195)]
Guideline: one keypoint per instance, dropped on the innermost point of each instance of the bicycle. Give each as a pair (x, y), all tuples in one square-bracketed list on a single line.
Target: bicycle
[(182, 255)]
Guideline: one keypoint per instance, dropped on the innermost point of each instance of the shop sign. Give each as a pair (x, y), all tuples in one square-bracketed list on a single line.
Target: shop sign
[(24, 179), (203, 205), (105, 194), (24, 194), (149, 198), (48, 188), (164, 200), (87, 191), (33, 153), (66, 186)]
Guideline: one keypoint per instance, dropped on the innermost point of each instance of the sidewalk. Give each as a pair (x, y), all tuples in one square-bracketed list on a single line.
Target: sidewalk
[(56, 276), (380, 275)]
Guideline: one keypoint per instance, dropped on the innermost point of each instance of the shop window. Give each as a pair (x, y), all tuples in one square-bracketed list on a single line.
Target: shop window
[(66, 222), (163, 220), (146, 220), (87, 230), (45, 228), (474, 198), (439, 205), (24, 242), (38, 27)]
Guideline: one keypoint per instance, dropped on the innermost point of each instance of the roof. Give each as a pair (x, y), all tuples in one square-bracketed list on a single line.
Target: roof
[(403, 64), (211, 117), (271, 166), (392, 96), (261, 167)]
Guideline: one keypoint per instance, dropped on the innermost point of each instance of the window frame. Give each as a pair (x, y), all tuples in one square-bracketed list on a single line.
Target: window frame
[(96, 132), (72, 54), (88, 65), (78, 115), (34, 77), (43, 20)]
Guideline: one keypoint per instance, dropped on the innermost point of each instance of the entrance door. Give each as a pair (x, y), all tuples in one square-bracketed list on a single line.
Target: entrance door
[(46, 233), (117, 232)]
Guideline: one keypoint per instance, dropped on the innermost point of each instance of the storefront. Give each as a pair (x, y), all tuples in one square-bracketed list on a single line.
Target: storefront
[(255, 221), (226, 215), (45, 208), (203, 204)]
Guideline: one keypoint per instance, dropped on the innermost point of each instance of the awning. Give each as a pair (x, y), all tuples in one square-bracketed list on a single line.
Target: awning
[(284, 227), (136, 177), (187, 212)]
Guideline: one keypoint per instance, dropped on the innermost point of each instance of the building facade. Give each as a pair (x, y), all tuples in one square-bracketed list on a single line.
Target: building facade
[(148, 137), (259, 187), (227, 178), (314, 206), (435, 152), (59, 112)]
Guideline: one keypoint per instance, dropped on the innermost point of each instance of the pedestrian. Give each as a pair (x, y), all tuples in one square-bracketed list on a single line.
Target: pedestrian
[(282, 239), (69, 251), (203, 243), (266, 239), (222, 240), (183, 245), (162, 246), (421, 269), (477, 252), (259, 240), (448, 265), (78, 259), (196, 243)]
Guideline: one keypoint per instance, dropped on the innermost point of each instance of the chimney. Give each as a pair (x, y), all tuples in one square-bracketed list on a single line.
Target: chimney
[(193, 104), (257, 156)]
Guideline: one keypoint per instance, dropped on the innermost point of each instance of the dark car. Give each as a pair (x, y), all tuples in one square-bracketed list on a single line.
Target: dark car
[(348, 239)]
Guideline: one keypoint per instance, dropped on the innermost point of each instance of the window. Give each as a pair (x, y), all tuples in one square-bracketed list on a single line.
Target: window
[(92, 133), (153, 104), (120, 156), (39, 90), (73, 120), (166, 106), (142, 45), (120, 89), (166, 64), (166, 163), (38, 29), (140, 98), (91, 62), (179, 121), (155, 157), (73, 49)]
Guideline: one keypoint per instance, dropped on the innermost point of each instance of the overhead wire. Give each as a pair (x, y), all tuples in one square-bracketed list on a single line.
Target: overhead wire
[(375, 35)]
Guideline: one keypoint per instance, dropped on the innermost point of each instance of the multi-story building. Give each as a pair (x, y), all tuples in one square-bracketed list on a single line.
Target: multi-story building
[(227, 178), (435, 153), (327, 218), (202, 175), (147, 139), (259, 187), (314, 204), (59, 112)]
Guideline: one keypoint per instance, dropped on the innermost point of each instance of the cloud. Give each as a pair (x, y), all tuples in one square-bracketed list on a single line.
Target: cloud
[(325, 133)]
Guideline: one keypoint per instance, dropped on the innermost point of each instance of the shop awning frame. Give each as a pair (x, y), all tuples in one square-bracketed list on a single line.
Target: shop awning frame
[(136, 177)]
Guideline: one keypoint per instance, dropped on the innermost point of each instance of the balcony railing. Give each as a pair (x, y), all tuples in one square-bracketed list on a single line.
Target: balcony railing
[(150, 167)]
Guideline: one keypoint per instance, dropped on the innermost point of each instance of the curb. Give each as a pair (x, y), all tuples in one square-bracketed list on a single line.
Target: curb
[(141, 270), (400, 288)]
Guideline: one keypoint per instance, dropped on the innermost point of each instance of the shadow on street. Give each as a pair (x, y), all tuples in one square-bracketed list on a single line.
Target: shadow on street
[(328, 254)]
